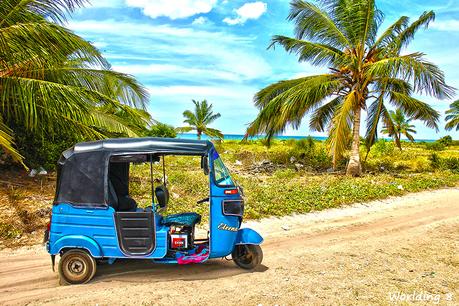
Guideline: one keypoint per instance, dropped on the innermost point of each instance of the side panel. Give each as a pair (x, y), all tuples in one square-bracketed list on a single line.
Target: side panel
[(248, 236), (97, 225), (223, 228)]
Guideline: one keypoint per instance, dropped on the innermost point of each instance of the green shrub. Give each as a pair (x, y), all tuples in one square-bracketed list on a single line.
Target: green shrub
[(435, 161), (305, 145), (446, 141), (161, 130), (311, 153), (43, 149), (446, 163), (435, 146), (383, 148), (290, 142), (451, 163)]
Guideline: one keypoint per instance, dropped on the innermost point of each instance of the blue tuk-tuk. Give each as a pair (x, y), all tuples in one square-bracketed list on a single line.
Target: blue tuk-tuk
[(95, 219)]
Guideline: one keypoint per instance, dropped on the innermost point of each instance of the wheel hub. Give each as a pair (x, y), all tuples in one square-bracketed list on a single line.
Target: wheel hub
[(76, 266)]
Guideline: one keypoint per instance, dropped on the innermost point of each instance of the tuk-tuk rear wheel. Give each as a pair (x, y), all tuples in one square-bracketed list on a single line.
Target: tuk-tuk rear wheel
[(76, 267), (247, 256)]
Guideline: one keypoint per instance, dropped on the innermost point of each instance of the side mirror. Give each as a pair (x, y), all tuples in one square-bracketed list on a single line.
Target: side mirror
[(205, 164)]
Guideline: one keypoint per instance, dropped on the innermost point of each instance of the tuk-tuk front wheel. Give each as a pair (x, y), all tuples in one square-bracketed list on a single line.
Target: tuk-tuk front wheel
[(247, 256), (76, 267)]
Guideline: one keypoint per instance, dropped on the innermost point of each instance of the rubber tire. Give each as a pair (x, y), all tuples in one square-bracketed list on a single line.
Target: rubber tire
[(255, 256), (83, 257)]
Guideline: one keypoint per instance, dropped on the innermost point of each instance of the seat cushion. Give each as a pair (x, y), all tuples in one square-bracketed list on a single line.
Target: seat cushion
[(183, 219)]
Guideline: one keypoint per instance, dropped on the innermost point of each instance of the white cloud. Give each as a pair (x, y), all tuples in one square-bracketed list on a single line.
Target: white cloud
[(200, 20), (100, 44), (174, 9), (446, 25), (106, 3), (224, 66), (177, 72), (178, 53), (201, 91), (251, 10), (133, 30)]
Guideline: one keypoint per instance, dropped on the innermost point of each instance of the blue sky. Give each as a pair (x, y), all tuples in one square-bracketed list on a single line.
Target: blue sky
[(216, 50)]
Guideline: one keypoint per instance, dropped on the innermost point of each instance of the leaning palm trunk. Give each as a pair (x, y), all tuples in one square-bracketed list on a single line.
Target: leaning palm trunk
[(366, 72), (354, 167)]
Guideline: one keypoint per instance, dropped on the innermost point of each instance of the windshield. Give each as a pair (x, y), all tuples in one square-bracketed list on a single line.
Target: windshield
[(221, 173)]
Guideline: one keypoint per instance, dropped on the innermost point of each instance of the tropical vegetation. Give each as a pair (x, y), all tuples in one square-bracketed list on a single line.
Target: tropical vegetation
[(401, 126), (53, 81), (288, 177), (160, 129), (199, 120), (366, 72), (452, 117)]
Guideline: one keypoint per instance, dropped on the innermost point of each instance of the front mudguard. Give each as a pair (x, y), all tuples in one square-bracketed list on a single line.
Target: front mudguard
[(248, 236)]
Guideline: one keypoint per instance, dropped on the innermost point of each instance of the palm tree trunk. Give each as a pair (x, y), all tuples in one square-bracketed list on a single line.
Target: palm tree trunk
[(354, 167), (199, 134)]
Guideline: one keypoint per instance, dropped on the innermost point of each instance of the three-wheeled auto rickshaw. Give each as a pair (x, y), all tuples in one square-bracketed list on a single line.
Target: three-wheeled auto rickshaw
[(94, 218)]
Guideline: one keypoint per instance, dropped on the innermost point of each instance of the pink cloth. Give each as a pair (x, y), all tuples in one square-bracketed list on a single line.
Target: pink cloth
[(201, 254)]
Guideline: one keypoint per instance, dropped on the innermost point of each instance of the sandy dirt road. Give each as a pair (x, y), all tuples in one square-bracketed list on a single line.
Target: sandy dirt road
[(364, 254)]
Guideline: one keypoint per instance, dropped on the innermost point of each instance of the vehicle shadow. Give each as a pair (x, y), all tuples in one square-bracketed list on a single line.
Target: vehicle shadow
[(147, 271)]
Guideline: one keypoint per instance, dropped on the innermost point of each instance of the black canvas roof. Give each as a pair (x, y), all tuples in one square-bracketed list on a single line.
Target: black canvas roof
[(83, 169), (146, 144)]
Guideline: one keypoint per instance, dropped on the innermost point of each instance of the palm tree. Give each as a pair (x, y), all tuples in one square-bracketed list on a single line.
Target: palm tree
[(452, 116), (51, 79), (365, 73), (401, 126), (200, 119)]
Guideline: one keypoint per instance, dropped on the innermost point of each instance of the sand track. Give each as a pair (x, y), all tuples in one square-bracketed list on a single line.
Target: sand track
[(353, 255)]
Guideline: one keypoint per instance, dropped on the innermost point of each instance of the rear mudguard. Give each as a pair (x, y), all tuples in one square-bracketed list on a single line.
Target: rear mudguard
[(248, 236), (76, 242)]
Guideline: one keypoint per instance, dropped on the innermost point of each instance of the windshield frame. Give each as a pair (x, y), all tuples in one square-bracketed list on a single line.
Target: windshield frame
[(215, 157)]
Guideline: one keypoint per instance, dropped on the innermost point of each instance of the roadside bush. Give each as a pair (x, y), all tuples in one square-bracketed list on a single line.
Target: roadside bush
[(290, 142), (446, 141), (311, 153), (435, 146), (451, 163), (43, 149), (383, 148), (446, 163), (279, 157), (161, 130), (304, 147)]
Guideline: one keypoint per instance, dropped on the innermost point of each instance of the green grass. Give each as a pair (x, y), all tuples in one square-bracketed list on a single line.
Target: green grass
[(289, 189), (297, 179), (279, 196)]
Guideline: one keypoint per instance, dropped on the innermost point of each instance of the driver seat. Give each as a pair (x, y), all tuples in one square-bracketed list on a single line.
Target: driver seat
[(189, 219)]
